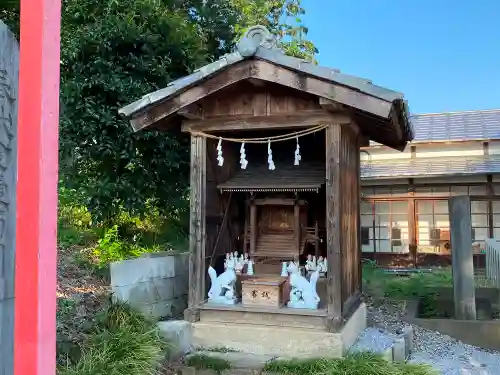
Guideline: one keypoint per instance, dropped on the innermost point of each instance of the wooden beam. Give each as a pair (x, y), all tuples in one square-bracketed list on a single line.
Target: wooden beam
[(462, 259), (197, 226), (191, 112), (333, 228), (37, 178), (328, 90), (331, 106), (301, 119)]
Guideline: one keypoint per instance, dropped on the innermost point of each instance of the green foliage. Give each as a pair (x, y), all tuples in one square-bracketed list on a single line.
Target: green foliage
[(122, 342), (208, 362), (359, 364), (114, 52), (282, 18), (112, 248)]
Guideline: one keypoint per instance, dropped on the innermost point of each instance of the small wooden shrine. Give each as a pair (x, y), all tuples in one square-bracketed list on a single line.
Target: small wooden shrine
[(275, 165)]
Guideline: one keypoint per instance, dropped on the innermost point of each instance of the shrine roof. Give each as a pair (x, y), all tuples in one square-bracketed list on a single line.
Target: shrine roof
[(376, 107), (304, 177)]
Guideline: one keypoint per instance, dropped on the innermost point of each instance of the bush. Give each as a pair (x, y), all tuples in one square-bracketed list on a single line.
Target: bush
[(112, 248), (122, 342)]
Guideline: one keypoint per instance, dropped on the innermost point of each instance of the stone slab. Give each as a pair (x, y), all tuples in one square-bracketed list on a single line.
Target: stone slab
[(7, 337), (279, 341), (9, 74), (177, 332)]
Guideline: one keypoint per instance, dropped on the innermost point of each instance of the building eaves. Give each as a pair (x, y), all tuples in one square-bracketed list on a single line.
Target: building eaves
[(428, 167)]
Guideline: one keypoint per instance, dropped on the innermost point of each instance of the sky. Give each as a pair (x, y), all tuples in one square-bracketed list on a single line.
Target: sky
[(444, 55)]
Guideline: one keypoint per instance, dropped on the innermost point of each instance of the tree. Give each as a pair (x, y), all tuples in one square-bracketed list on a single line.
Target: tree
[(115, 51), (282, 18)]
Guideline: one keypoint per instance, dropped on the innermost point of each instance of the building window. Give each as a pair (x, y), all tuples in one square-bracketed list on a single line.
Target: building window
[(365, 236), (433, 226), (479, 219), (496, 219), (387, 226)]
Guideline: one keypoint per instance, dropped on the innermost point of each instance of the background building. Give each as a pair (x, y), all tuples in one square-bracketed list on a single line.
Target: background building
[(404, 211)]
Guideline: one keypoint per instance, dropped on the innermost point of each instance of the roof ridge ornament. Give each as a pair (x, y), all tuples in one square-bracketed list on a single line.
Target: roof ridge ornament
[(255, 37)]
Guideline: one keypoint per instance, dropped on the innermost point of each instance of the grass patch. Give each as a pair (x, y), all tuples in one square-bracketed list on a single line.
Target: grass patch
[(355, 364), (121, 342), (378, 283), (207, 362)]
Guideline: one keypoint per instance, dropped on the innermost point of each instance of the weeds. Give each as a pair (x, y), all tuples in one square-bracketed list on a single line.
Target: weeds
[(121, 342), (381, 284), (206, 362), (358, 363)]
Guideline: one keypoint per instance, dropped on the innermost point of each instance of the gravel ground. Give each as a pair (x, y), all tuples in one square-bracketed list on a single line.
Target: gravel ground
[(444, 353)]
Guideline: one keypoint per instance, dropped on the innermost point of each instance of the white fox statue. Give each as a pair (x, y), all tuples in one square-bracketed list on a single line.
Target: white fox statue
[(222, 287), (303, 293)]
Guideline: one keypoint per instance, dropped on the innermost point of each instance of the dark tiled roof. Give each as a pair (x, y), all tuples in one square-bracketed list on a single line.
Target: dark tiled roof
[(426, 167), (259, 44), (305, 177)]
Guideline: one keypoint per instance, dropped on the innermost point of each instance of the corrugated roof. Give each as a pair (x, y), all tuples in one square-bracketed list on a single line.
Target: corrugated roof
[(487, 164), (455, 126), (304, 177)]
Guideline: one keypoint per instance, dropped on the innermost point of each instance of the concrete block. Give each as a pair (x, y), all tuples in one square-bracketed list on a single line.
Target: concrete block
[(354, 327), (178, 333), (408, 336), (398, 350), (156, 310), (133, 271), (181, 263), (179, 304), (181, 285), (145, 292)]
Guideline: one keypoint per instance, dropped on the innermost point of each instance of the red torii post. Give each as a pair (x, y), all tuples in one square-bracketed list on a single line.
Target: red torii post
[(36, 239)]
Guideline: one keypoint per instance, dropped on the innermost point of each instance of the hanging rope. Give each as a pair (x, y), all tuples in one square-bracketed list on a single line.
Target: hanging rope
[(277, 138)]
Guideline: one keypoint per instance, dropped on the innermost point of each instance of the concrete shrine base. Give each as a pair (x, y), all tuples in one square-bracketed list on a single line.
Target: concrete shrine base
[(279, 335)]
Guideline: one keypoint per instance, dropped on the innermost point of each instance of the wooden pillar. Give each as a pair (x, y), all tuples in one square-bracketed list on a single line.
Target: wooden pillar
[(253, 226), (296, 217), (462, 259), (333, 249), (37, 177), (197, 227)]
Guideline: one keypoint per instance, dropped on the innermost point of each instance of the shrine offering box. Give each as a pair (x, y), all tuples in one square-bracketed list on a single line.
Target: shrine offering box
[(266, 292)]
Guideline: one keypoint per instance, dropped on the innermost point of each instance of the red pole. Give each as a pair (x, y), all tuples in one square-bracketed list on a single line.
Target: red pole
[(36, 240)]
